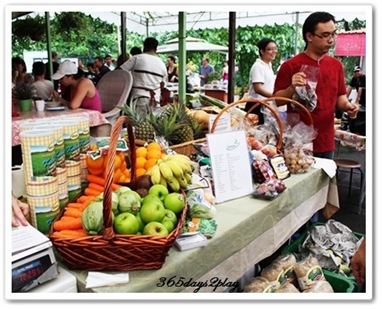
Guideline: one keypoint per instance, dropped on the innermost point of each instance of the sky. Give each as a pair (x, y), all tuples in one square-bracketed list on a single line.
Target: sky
[(198, 5)]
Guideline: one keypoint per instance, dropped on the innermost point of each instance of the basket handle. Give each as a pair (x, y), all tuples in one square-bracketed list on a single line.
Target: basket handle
[(110, 159), (255, 103)]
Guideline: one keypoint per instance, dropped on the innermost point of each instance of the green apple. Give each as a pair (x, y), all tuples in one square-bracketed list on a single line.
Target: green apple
[(170, 215), (155, 228), (128, 202), (126, 223), (168, 224), (175, 202), (150, 197), (121, 190), (140, 222), (159, 190), (152, 211)]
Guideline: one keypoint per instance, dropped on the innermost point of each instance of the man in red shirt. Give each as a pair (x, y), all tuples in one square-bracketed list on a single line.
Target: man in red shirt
[(319, 33)]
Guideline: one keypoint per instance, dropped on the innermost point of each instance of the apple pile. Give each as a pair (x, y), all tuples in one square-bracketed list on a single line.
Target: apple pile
[(154, 214)]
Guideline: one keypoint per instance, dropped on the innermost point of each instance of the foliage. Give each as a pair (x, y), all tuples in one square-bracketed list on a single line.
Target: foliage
[(29, 29), (86, 37), (23, 91)]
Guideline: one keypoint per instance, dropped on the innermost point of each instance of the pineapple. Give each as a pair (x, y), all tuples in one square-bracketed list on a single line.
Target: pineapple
[(165, 126), (189, 129), (143, 129)]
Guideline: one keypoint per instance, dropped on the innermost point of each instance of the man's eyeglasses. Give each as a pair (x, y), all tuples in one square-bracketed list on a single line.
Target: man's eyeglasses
[(326, 35)]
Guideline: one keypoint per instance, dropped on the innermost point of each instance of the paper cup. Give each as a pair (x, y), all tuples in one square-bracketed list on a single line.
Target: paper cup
[(18, 181), (38, 151), (40, 105)]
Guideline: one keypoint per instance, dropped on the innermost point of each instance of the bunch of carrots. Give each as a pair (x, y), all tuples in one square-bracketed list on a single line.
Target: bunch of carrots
[(70, 224)]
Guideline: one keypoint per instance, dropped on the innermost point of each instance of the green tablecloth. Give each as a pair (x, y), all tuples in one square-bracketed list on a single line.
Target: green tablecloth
[(249, 229)]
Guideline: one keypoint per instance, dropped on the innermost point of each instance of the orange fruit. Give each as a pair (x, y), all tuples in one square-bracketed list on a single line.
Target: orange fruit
[(95, 164), (140, 162), (140, 172), (117, 162), (117, 175), (127, 173), (141, 152), (154, 154), (122, 178), (150, 163), (153, 145)]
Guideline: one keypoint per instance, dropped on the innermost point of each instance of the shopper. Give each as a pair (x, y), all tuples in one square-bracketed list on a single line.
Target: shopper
[(205, 70), (319, 33), (261, 75), (358, 263), (83, 93)]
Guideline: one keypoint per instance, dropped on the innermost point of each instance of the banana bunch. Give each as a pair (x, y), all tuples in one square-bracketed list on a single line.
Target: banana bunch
[(173, 171)]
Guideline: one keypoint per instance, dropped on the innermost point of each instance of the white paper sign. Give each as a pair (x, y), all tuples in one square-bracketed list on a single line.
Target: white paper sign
[(230, 163)]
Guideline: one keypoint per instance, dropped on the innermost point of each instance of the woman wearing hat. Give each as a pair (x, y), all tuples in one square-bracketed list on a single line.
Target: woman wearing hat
[(83, 92)]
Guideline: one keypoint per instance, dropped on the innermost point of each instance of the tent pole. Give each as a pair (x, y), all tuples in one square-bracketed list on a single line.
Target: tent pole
[(231, 56), (296, 34), (48, 44), (182, 57), (123, 36)]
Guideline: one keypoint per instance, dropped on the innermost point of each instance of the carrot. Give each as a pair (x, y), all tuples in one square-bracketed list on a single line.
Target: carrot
[(70, 233), (95, 186), (92, 192), (101, 181), (95, 179), (74, 205), (82, 199), (71, 212), (85, 204), (74, 224)]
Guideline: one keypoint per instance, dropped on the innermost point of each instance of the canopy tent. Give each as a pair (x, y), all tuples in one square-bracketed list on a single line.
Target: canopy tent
[(351, 43), (192, 44)]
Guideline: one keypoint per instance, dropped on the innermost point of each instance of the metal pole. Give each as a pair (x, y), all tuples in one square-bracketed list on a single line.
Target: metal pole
[(49, 45), (296, 34), (231, 56), (123, 35), (182, 57)]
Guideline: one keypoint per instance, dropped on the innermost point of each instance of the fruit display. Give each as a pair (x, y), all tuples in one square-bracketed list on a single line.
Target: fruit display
[(269, 189), (298, 160), (172, 122), (131, 213), (173, 172)]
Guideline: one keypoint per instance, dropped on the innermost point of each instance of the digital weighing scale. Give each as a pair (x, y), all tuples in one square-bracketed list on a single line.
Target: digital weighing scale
[(33, 260)]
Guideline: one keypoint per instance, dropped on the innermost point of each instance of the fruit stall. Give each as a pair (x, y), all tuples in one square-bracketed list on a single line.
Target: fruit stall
[(154, 200)]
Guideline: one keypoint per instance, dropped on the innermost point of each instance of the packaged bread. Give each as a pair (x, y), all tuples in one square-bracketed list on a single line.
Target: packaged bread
[(258, 284), (287, 262), (287, 288), (308, 271), (274, 273), (322, 286)]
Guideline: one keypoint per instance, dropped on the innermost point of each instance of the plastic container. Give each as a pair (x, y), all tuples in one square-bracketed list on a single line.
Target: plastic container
[(340, 283)]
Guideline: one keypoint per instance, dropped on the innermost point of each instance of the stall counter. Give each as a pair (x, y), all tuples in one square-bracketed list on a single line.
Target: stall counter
[(248, 231)]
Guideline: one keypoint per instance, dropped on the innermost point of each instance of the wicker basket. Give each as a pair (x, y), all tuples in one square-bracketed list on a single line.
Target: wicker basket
[(255, 103), (110, 251), (187, 148)]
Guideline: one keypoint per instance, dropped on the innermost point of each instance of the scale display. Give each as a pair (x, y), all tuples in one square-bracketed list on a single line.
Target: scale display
[(26, 273)]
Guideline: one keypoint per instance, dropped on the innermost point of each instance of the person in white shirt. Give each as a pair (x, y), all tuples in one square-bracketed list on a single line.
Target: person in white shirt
[(149, 75), (261, 75), (43, 87)]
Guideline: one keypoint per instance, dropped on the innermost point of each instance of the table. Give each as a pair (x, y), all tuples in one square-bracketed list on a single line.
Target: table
[(249, 230), (98, 123), (347, 138)]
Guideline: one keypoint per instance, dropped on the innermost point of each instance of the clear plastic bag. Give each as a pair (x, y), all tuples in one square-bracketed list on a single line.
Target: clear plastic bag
[(306, 94)]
